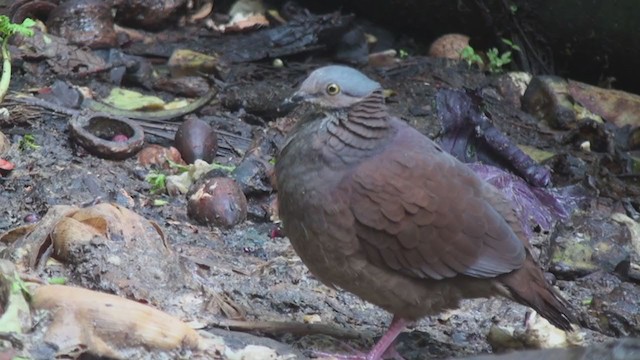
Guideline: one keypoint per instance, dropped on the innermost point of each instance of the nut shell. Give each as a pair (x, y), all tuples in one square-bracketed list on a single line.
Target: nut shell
[(195, 139), (218, 201)]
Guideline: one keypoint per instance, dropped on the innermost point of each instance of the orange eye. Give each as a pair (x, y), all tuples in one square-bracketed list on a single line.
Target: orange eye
[(333, 89)]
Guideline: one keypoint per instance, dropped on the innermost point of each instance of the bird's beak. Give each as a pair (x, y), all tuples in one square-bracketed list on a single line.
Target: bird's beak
[(291, 102), (296, 98)]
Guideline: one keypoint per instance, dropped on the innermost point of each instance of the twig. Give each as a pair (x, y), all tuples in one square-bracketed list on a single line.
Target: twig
[(295, 328)]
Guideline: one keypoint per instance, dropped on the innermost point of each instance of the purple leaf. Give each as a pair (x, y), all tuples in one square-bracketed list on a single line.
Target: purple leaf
[(533, 205), (469, 135)]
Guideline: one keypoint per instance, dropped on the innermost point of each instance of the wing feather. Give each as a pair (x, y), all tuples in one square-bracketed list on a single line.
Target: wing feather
[(429, 216)]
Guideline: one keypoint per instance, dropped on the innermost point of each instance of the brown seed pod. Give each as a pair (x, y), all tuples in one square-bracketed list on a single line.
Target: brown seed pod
[(195, 139), (218, 201)]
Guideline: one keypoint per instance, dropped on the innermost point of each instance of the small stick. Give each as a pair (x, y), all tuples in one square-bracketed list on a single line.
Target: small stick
[(295, 328)]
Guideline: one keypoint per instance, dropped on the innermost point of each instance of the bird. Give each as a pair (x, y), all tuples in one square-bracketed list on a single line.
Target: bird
[(376, 208)]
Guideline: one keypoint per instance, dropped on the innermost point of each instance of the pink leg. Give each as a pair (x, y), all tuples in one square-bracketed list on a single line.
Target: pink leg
[(386, 341), (383, 348)]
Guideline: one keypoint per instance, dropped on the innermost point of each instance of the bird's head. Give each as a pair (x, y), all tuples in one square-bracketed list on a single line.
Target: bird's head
[(334, 87)]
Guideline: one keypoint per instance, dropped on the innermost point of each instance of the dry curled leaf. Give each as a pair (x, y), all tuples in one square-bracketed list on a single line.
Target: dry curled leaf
[(70, 233), (107, 325)]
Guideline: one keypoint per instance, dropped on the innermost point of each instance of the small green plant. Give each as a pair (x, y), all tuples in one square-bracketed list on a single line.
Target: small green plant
[(469, 55), (157, 180), (403, 54), (7, 29), (180, 167), (511, 44), (497, 60), (28, 142), (18, 285)]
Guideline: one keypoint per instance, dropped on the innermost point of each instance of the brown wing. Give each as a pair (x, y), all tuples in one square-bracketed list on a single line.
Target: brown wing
[(425, 214)]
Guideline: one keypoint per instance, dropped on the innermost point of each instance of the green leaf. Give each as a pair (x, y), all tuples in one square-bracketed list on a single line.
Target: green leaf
[(505, 58), (535, 153), (28, 142), (131, 100), (497, 60), (19, 286), (27, 23), (7, 28), (507, 41), (157, 180), (160, 202), (57, 280), (227, 168), (469, 55), (181, 168), (511, 44), (16, 310)]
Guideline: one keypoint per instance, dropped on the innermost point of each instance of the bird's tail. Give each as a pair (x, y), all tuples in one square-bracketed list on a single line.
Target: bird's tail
[(528, 286)]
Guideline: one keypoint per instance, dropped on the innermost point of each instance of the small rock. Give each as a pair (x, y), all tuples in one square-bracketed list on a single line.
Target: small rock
[(593, 243), (84, 22), (619, 310)]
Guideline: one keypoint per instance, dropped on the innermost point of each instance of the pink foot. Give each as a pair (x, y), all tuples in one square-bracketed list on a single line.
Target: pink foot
[(383, 349)]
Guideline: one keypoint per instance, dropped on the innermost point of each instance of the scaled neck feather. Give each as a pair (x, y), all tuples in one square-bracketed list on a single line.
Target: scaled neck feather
[(363, 126)]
